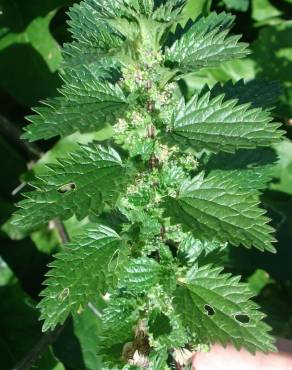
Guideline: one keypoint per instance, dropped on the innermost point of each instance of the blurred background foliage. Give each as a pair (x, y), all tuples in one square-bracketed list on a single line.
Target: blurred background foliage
[(31, 33)]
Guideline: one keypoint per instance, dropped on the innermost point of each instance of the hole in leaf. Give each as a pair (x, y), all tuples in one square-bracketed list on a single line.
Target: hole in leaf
[(67, 187), (209, 310), (242, 318)]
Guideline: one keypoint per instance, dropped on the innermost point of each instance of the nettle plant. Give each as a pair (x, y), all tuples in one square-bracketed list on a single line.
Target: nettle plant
[(176, 183)]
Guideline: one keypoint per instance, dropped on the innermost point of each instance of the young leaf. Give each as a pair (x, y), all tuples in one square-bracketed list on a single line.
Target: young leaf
[(218, 207), (118, 320), (140, 274), (78, 184), (168, 10), (78, 274), (219, 125), (205, 44), (89, 27), (94, 38), (217, 308)]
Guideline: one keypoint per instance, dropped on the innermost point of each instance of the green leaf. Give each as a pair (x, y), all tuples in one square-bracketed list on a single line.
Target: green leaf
[(241, 5), (106, 29), (92, 34), (263, 11), (159, 360), (258, 280), (193, 8), (78, 274), (279, 206), (118, 320), (45, 240), (88, 24), (215, 124), (169, 10), (236, 70), (206, 44), (250, 169), (78, 184), (167, 330), (256, 91), (25, 36), (218, 207), (217, 308), (147, 225), (191, 249), (259, 93), (87, 327), (88, 102), (69, 144), (159, 324), (140, 274)]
